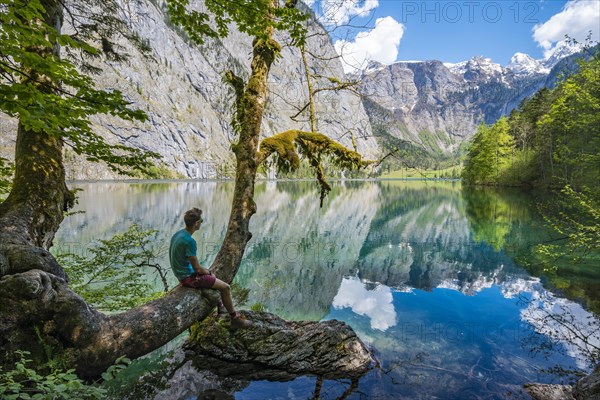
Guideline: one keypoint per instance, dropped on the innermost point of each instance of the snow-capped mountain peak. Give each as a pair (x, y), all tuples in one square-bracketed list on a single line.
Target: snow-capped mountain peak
[(457, 68), (562, 50), (477, 68), (524, 64), (481, 69)]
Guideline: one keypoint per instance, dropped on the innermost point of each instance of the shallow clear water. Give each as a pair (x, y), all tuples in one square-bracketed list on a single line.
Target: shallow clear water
[(424, 273)]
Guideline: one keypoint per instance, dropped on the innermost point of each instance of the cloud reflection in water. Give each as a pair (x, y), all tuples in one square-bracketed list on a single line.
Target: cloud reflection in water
[(376, 304)]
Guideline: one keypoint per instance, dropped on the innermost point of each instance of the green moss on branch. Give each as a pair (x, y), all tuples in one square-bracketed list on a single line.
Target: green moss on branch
[(290, 146)]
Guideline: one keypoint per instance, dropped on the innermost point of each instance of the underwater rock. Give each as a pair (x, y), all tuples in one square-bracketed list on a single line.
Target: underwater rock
[(329, 349), (588, 388), (539, 391)]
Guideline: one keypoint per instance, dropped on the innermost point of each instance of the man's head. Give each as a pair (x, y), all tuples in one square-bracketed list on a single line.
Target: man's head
[(193, 218)]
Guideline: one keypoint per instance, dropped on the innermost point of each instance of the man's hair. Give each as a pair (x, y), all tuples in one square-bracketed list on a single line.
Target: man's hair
[(192, 216)]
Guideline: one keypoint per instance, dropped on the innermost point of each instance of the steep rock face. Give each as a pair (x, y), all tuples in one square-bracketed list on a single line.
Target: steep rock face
[(441, 105), (180, 87)]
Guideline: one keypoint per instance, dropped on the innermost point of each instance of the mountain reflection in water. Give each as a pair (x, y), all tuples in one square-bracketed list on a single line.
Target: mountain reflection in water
[(425, 273)]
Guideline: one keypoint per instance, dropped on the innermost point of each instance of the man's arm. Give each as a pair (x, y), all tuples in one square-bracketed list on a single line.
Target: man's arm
[(196, 265)]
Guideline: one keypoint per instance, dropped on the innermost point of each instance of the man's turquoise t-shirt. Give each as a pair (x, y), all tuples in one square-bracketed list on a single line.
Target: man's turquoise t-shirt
[(182, 247)]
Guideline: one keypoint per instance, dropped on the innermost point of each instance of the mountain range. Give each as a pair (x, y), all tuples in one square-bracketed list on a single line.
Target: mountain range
[(438, 106), (431, 105)]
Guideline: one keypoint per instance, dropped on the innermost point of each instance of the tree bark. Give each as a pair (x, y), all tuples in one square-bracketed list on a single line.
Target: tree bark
[(34, 208), (39, 309)]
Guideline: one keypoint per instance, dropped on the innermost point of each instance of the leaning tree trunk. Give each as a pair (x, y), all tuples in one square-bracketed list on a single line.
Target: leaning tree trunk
[(38, 308)]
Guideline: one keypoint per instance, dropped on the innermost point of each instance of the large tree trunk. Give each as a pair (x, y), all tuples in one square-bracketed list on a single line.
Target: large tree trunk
[(36, 300), (250, 108), (39, 309), (34, 208)]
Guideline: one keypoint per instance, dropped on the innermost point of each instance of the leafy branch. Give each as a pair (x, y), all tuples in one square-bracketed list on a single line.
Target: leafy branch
[(112, 276), (50, 95)]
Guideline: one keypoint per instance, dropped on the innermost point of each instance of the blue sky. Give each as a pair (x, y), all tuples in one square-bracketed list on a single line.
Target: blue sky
[(455, 30)]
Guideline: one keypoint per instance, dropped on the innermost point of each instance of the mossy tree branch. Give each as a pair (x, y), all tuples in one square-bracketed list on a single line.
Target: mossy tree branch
[(291, 145)]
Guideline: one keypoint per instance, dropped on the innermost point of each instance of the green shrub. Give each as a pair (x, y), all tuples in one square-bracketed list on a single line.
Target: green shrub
[(112, 277), (24, 382)]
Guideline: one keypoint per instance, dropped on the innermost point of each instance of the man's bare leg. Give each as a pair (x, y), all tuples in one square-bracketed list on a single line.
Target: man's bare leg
[(237, 321), (225, 290)]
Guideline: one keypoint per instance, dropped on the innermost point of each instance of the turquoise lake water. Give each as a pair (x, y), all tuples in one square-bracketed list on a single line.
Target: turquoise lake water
[(429, 275)]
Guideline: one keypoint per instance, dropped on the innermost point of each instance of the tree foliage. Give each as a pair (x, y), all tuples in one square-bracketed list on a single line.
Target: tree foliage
[(113, 274), (576, 218), (49, 94), (288, 146), (488, 153), (554, 137), (553, 141), (250, 17)]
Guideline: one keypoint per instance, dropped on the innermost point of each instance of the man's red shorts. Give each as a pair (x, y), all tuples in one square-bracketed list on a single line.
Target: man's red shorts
[(198, 281)]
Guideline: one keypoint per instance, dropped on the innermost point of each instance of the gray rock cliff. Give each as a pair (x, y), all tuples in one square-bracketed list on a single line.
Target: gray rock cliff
[(440, 105), (179, 85)]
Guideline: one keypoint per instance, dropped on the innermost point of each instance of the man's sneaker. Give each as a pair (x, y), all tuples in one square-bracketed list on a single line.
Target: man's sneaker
[(239, 322)]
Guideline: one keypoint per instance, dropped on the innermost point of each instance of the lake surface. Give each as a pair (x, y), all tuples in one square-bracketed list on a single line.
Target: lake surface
[(429, 275)]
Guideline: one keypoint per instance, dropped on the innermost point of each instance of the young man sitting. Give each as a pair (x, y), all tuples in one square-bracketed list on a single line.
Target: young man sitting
[(185, 265)]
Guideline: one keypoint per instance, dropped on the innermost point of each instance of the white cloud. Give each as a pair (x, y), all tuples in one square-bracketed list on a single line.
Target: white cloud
[(379, 44), (375, 304), (309, 2), (576, 19), (339, 12)]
